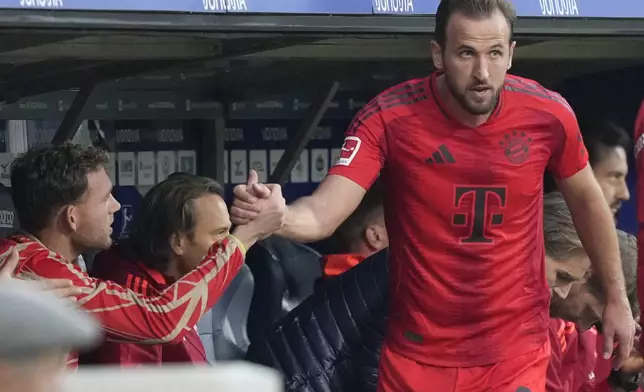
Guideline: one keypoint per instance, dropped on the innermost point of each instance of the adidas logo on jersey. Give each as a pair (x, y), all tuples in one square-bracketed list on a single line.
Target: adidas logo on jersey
[(442, 155)]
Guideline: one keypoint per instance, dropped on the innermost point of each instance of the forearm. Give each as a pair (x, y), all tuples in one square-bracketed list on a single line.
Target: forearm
[(162, 318), (303, 224), (596, 229)]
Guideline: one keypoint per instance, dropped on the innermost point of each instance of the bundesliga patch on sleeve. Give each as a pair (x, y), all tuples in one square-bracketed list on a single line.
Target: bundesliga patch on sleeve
[(349, 150)]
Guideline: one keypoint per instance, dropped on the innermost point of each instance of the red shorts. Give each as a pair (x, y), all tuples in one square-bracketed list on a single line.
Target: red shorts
[(525, 373)]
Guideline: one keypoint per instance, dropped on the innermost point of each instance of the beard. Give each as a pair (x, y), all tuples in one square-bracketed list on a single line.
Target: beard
[(471, 106)]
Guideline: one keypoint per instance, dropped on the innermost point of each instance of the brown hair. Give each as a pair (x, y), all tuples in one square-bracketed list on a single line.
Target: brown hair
[(471, 9), (628, 256), (44, 180), (559, 233)]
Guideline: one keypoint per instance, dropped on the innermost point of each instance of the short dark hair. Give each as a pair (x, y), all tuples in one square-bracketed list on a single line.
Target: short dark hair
[(600, 135), (472, 9), (167, 210), (351, 231), (44, 180)]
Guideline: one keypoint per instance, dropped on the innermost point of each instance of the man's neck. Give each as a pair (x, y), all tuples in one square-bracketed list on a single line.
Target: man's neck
[(59, 243), (173, 270)]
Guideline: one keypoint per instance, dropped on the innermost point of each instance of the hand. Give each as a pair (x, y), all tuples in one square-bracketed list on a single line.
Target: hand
[(267, 221), (618, 327), (248, 200), (63, 288), (9, 265)]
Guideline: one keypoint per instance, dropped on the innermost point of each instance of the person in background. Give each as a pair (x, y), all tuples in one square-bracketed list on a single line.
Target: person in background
[(608, 147), (63, 197), (361, 235), (178, 220), (38, 331), (576, 344), (639, 166)]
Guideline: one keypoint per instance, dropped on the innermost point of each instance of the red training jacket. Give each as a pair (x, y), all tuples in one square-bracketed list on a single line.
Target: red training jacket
[(114, 265), (126, 315)]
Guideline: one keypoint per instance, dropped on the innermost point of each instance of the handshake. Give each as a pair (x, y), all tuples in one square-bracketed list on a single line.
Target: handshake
[(258, 210)]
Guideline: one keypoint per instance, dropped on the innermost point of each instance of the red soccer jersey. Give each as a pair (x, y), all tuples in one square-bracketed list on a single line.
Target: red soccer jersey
[(126, 315), (114, 265), (464, 216), (639, 164)]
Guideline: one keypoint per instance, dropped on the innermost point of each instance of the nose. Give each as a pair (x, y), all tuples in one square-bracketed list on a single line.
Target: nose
[(481, 71), (115, 204), (562, 291), (624, 194)]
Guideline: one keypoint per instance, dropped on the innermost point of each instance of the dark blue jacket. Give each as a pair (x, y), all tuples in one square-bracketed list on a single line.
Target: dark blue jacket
[(331, 342)]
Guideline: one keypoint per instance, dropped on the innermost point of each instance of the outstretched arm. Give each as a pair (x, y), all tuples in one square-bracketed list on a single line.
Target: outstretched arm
[(317, 216), (128, 316)]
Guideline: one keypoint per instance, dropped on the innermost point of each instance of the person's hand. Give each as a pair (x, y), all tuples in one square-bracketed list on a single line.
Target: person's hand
[(63, 288), (9, 264), (249, 199), (618, 327), (267, 221)]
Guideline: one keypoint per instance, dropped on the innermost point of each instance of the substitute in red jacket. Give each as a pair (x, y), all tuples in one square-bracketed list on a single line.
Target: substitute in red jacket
[(178, 220), (64, 202), (577, 346)]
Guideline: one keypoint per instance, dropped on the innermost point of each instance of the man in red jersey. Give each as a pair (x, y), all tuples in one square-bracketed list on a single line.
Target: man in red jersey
[(462, 154), (64, 203), (179, 219)]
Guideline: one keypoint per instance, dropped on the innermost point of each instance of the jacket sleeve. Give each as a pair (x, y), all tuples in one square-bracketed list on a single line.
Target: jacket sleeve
[(131, 317)]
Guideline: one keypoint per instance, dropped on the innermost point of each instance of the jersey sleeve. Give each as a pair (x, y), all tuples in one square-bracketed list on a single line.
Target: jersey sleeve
[(128, 316), (363, 152), (569, 155), (639, 165)]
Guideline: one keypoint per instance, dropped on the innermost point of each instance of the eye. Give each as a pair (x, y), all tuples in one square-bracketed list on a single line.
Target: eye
[(565, 278), (496, 53), (467, 53)]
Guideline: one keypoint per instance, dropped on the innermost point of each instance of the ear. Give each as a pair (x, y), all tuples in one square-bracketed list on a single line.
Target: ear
[(70, 216), (437, 55), (513, 45), (177, 243), (376, 237)]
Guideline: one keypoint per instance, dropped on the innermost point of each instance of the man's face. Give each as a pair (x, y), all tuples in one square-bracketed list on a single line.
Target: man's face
[(582, 306), (562, 274), (90, 219), (475, 58), (212, 225), (610, 172)]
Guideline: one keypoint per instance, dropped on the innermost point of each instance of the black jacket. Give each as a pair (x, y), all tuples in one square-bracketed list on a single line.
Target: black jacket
[(332, 341)]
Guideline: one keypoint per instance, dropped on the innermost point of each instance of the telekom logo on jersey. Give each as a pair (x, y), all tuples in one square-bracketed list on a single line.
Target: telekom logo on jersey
[(349, 150)]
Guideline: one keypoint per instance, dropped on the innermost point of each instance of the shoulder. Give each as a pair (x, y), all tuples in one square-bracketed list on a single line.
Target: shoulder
[(527, 93), (403, 96), (113, 264)]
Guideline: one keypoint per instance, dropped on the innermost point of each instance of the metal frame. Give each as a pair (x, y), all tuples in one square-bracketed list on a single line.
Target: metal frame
[(72, 120), (318, 24), (314, 114)]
